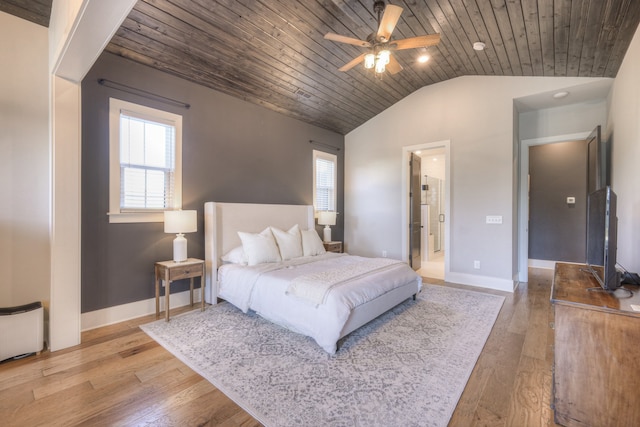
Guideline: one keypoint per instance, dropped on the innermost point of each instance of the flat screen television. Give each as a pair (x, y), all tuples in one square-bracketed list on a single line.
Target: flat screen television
[(602, 237)]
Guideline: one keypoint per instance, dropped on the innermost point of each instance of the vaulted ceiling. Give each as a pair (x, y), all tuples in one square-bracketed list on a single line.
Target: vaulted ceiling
[(272, 52)]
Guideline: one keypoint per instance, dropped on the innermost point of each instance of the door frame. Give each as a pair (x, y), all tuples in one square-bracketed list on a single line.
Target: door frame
[(523, 196), (404, 231)]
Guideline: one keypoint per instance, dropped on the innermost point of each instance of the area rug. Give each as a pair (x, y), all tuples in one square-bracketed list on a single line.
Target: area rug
[(406, 368)]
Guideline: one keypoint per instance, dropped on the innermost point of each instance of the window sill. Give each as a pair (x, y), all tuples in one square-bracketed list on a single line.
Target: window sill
[(129, 217)]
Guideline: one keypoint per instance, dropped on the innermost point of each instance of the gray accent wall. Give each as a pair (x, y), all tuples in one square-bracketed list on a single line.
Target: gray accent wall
[(233, 151), (557, 230)]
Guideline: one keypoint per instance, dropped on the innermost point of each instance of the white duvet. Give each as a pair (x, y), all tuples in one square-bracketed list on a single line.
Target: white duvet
[(263, 288)]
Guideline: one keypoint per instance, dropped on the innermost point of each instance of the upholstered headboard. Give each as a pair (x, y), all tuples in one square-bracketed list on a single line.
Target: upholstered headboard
[(222, 221)]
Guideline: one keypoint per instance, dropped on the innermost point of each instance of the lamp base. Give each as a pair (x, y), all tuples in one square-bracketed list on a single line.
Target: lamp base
[(179, 248), (327, 234)]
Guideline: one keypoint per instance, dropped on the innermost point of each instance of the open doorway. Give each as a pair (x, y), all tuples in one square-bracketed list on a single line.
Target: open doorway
[(433, 214), (524, 201), (433, 209)]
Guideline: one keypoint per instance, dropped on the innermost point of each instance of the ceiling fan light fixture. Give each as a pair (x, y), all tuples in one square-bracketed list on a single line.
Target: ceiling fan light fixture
[(383, 56), (369, 60), (380, 67), (423, 58)]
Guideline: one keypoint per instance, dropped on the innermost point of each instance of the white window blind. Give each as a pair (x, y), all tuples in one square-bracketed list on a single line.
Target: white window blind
[(147, 163), (324, 181)]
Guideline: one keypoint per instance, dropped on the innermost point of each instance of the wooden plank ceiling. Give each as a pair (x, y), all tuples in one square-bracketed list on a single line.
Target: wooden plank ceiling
[(272, 52), (37, 11)]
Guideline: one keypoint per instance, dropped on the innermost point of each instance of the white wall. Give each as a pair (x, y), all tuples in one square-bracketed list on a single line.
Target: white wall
[(24, 162), (476, 114), (565, 120), (624, 131)]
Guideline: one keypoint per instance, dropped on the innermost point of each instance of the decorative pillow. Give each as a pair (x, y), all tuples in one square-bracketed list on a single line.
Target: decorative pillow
[(235, 256), (311, 243), (289, 242), (260, 248)]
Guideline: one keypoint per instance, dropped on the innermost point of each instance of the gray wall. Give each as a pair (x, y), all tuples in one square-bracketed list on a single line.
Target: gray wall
[(557, 229), (233, 151)]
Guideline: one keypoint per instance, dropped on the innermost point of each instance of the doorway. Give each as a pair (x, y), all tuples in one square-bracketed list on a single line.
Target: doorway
[(434, 208), (523, 200), (433, 213)]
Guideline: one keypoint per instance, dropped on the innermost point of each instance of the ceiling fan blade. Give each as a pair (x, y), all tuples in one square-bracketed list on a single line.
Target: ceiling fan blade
[(388, 22), (345, 39), (393, 66), (355, 61), (419, 41)]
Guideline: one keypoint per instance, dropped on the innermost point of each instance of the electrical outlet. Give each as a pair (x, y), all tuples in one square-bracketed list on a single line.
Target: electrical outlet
[(476, 264), (384, 254)]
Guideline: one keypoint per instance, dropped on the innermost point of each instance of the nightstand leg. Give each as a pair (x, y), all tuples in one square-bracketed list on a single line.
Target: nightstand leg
[(167, 292), (191, 291), (157, 294)]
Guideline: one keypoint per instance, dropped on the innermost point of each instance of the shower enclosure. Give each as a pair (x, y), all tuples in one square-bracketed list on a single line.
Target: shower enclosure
[(435, 194)]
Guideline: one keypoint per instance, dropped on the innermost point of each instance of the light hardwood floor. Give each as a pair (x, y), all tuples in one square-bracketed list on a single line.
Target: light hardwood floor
[(120, 376)]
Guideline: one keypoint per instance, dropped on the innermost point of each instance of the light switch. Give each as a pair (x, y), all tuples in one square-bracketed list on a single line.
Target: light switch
[(494, 219), (571, 200)]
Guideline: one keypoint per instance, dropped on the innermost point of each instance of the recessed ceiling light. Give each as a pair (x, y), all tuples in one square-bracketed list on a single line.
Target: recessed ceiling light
[(560, 95), (423, 58), (479, 46)]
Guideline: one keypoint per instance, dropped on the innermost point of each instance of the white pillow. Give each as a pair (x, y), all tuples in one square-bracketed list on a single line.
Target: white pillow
[(260, 248), (289, 242), (235, 256), (311, 243)]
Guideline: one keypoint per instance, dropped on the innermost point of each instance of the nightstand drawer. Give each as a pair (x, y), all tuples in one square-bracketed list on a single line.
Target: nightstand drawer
[(333, 246), (185, 272)]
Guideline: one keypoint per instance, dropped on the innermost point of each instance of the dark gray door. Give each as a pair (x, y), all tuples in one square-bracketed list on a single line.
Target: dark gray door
[(414, 219), (558, 201)]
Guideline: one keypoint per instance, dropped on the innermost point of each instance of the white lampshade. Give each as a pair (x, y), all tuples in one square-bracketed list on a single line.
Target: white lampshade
[(180, 222), (326, 218)]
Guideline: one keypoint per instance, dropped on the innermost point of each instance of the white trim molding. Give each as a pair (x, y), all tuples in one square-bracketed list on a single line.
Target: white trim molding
[(120, 313), (498, 284)]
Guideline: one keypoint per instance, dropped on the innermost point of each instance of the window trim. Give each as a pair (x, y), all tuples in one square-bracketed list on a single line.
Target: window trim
[(115, 214), (317, 154)]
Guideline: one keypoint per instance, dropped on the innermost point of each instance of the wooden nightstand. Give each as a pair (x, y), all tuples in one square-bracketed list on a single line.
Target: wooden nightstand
[(168, 271), (333, 246)]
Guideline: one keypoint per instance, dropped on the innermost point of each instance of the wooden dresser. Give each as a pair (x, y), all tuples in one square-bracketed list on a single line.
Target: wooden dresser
[(597, 352)]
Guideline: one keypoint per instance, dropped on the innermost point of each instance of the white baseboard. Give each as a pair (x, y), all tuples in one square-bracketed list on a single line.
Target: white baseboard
[(120, 313), (542, 263), (482, 281)]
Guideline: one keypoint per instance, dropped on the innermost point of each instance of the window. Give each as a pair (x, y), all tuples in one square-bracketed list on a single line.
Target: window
[(145, 162), (324, 181)]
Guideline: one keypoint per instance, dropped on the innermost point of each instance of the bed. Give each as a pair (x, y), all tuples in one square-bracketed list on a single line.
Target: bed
[(276, 290)]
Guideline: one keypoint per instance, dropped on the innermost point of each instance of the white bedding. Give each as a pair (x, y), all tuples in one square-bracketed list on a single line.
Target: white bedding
[(263, 288)]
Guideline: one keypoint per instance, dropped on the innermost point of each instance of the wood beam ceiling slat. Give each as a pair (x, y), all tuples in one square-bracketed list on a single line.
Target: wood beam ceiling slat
[(272, 52), (36, 11)]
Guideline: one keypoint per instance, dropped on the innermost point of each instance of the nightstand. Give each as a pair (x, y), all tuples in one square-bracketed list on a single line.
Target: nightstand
[(333, 246), (168, 271)]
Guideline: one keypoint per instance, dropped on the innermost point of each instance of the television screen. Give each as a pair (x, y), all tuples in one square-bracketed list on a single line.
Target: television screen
[(602, 237)]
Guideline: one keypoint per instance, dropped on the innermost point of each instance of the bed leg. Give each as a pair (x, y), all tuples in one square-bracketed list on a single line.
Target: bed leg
[(415, 296)]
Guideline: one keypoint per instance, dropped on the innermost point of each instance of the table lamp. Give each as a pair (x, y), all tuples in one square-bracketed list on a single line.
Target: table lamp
[(180, 222), (327, 218)]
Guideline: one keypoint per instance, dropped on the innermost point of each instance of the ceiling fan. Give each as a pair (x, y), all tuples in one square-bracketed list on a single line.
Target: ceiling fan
[(380, 45)]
